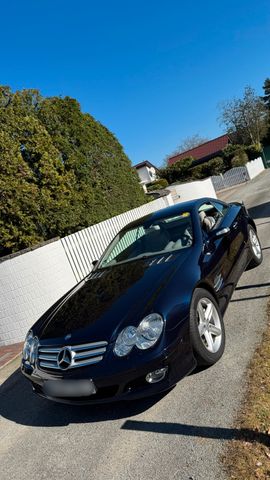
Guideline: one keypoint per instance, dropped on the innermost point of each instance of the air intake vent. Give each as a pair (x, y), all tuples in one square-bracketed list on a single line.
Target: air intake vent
[(158, 260)]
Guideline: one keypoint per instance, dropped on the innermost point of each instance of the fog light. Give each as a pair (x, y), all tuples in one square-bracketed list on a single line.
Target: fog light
[(157, 375)]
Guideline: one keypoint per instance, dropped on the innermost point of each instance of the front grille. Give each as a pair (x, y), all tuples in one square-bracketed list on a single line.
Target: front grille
[(81, 355)]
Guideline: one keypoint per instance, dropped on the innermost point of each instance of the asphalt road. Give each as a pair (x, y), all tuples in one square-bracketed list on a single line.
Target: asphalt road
[(178, 436)]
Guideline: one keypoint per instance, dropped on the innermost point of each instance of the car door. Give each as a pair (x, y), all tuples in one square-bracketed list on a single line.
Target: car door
[(221, 253), (237, 253)]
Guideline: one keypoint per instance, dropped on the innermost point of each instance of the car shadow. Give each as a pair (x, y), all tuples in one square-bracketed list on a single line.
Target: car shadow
[(260, 211), (256, 285), (199, 369), (263, 223), (234, 300), (256, 297), (219, 433), (20, 405)]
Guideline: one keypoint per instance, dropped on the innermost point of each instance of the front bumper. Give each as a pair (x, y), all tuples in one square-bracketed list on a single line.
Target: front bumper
[(126, 379)]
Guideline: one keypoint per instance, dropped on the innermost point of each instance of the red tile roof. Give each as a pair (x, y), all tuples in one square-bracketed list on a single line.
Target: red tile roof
[(207, 149)]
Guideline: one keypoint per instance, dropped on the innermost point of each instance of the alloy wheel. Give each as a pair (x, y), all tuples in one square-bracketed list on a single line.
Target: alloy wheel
[(209, 325), (255, 244)]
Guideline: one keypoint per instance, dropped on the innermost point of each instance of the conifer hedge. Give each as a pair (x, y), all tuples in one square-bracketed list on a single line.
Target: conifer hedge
[(60, 170)]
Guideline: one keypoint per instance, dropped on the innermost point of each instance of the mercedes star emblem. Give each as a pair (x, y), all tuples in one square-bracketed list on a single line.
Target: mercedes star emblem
[(64, 358)]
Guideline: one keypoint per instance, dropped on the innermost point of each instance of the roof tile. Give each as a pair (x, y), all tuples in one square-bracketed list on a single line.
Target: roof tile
[(206, 149)]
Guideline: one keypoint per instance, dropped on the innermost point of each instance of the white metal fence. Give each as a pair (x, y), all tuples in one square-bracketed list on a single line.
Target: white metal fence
[(238, 175), (88, 244), (232, 177)]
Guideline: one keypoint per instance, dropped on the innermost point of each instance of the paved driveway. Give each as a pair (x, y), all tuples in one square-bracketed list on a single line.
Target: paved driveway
[(178, 436)]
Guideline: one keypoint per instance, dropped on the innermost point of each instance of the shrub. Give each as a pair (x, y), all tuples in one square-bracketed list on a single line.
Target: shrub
[(207, 169), (253, 151), (233, 154), (197, 172), (157, 184), (214, 167), (239, 160), (178, 171)]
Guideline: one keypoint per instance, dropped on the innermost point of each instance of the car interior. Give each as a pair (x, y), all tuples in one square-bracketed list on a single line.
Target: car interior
[(167, 235), (210, 216), (164, 237)]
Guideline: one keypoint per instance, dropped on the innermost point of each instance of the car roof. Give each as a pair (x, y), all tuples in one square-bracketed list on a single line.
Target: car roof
[(167, 212)]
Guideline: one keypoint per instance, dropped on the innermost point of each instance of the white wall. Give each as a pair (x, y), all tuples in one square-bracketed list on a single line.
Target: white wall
[(254, 167), (189, 191), (144, 174), (29, 284)]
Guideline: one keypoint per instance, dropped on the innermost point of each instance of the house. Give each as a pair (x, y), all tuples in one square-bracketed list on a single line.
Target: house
[(204, 152), (147, 172)]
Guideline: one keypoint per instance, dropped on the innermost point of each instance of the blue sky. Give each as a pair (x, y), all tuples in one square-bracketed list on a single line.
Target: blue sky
[(152, 71)]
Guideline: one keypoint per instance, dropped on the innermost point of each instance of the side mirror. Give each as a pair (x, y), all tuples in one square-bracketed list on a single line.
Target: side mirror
[(220, 233), (94, 262)]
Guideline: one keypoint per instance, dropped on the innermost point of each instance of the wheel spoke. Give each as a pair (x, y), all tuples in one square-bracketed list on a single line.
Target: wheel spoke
[(209, 340), (214, 330), (201, 328), (255, 244), (209, 312), (201, 312)]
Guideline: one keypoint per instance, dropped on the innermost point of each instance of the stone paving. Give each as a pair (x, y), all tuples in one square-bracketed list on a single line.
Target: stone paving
[(9, 352)]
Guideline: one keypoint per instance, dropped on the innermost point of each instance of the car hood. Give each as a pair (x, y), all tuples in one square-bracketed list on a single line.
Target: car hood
[(109, 299)]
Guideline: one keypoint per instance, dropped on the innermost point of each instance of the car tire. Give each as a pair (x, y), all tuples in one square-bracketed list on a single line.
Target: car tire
[(207, 332), (255, 248)]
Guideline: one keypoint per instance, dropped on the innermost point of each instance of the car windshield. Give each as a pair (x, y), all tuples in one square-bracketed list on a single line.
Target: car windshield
[(165, 235)]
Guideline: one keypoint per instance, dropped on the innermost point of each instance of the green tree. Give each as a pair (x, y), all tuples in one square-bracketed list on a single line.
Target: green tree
[(266, 100), (266, 97), (19, 199), (104, 178), (75, 172), (245, 118)]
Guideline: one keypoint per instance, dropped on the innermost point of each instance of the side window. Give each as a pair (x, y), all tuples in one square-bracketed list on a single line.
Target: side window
[(222, 210), (211, 215)]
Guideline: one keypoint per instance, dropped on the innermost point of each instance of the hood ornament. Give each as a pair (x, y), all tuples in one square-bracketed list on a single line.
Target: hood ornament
[(64, 359)]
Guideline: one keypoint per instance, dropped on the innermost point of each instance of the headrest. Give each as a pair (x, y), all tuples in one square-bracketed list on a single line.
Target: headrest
[(202, 216), (152, 228)]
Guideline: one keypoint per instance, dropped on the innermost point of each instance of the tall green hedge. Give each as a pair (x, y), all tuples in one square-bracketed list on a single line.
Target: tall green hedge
[(60, 170)]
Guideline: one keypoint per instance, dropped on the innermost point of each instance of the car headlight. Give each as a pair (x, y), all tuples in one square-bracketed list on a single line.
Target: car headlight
[(144, 336), (125, 341), (149, 331), (30, 348)]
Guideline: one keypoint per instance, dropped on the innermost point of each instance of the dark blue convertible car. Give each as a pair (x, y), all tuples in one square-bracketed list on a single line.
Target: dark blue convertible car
[(151, 309)]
